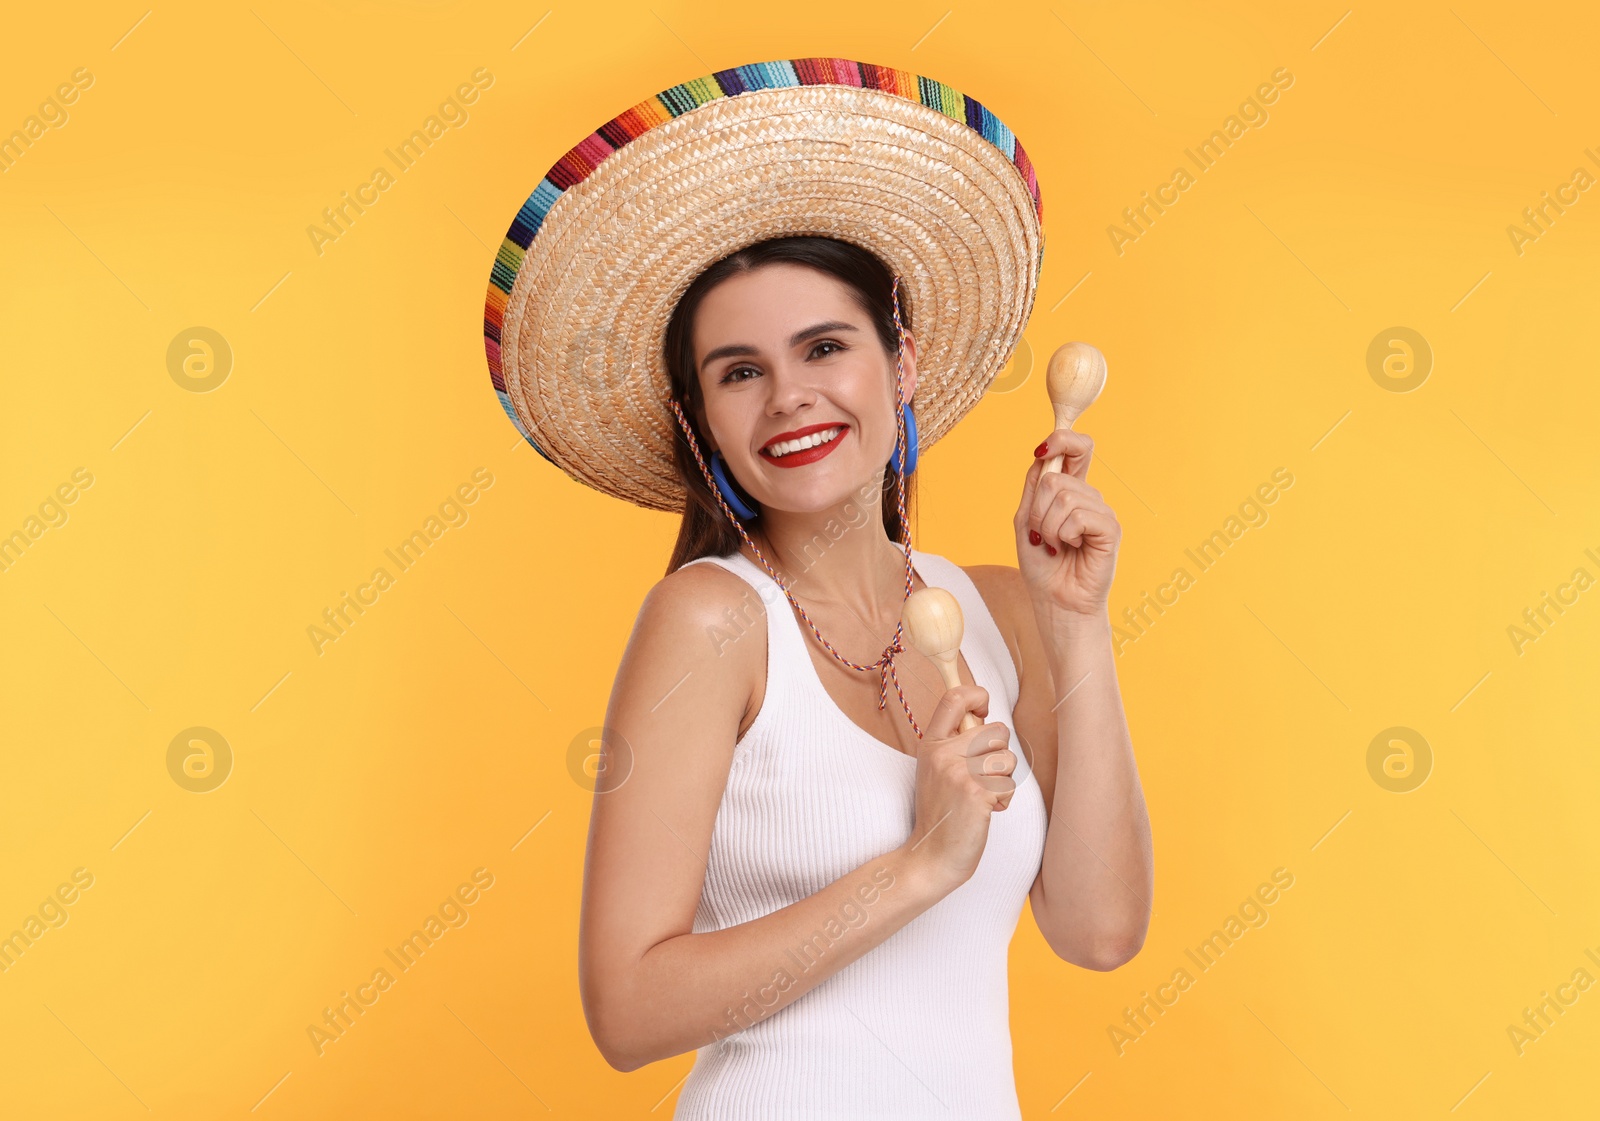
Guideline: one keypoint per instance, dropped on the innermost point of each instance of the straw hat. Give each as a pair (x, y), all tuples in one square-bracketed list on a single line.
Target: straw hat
[(597, 258)]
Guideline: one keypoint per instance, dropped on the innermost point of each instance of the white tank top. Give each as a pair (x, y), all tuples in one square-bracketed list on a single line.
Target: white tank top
[(919, 1026)]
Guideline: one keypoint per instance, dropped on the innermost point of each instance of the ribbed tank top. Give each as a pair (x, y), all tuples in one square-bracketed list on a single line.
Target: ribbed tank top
[(919, 1026)]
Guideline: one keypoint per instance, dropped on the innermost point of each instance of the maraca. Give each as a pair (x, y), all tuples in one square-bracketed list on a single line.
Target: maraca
[(932, 620), (1075, 377)]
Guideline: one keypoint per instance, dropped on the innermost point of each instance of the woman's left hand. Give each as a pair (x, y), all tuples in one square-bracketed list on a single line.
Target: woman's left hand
[(1067, 536)]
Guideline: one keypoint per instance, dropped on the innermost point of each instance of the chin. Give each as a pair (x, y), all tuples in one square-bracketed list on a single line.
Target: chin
[(821, 494)]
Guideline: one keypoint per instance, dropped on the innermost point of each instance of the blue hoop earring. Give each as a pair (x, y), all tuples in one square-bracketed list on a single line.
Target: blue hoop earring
[(911, 443), (720, 472)]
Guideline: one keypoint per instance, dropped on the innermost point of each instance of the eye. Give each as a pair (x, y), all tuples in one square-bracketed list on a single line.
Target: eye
[(730, 376)]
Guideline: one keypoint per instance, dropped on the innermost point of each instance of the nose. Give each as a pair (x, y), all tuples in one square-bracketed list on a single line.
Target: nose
[(788, 390)]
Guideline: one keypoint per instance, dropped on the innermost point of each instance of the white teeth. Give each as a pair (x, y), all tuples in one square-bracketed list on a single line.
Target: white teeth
[(788, 447)]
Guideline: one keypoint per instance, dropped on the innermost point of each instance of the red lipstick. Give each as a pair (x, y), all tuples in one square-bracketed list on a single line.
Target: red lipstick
[(799, 432), (809, 455)]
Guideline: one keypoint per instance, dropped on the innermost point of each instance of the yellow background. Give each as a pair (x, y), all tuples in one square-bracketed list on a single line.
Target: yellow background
[(369, 780)]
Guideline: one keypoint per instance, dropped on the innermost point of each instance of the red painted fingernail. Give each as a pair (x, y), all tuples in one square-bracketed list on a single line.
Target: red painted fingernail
[(1038, 451), (1033, 537), (1051, 549)]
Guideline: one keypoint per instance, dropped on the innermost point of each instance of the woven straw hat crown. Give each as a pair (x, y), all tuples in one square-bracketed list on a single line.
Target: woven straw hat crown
[(598, 256)]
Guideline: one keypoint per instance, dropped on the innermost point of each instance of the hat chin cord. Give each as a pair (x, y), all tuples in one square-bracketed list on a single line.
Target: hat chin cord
[(885, 662)]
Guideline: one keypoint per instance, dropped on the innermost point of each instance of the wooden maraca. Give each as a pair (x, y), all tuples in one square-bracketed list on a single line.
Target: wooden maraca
[(932, 619), (1075, 377)]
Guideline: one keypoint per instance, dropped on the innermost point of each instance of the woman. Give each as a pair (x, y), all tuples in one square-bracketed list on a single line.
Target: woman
[(784, 873)]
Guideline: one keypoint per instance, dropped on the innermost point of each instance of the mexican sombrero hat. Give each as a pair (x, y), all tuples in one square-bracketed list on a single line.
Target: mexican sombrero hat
[(596, 259)]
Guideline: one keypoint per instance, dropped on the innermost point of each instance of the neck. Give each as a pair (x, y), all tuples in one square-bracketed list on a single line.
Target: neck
[(839, 557)]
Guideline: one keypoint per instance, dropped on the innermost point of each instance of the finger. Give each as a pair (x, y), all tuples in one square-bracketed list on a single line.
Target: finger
[(1049, 491), (997, 786), (1001, 761), (1050, 484), (1030, 481), (956, 703), (1030, 486), (1079, 525), (1070, 490), (1061, 523), (1075, 448), (988, 738)]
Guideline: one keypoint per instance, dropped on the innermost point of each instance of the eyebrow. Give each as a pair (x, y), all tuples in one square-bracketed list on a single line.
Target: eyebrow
[(745, 350)]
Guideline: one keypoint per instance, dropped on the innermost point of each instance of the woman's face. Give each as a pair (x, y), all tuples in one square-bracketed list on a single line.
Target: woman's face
[(785, 349)]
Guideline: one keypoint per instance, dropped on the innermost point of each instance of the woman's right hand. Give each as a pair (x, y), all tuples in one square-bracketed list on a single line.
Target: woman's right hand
[(962, 777)]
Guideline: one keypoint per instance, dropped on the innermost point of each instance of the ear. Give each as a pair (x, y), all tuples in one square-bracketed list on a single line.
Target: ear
[(909, 365)]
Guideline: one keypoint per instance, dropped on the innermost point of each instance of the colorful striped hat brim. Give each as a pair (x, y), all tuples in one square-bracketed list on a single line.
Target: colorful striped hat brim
[(596, 258)]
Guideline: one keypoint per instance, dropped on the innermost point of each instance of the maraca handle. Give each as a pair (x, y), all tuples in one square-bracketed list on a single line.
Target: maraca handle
[(952, 678), (1065, 415)]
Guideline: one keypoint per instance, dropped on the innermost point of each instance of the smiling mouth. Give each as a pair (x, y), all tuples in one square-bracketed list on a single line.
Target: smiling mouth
[(786, 448)]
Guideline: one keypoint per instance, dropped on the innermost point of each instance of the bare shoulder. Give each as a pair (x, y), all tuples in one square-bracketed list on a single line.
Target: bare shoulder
[(697, 618), (698, 593), (701, 600)]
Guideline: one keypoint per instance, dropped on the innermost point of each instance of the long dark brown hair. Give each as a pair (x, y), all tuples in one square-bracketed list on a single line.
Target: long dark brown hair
[(705, 529)]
